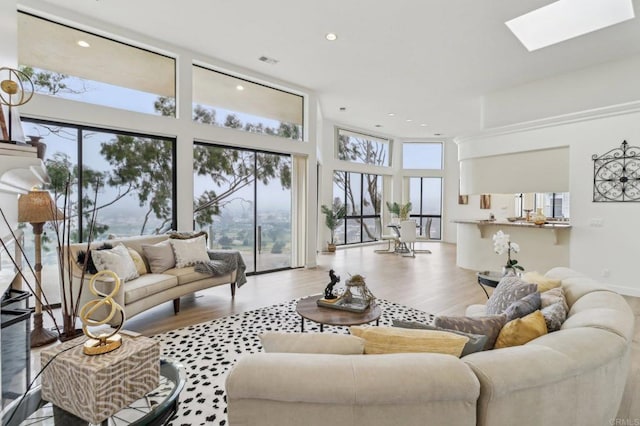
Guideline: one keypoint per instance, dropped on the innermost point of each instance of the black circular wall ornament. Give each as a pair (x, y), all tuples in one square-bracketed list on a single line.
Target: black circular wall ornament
[(616, 175)]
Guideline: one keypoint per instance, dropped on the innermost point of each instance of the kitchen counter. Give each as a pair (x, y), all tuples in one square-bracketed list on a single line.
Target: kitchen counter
[(541, 246)]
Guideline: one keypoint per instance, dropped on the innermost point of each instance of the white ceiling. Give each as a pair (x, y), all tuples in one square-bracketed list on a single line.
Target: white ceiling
[(425, 60)]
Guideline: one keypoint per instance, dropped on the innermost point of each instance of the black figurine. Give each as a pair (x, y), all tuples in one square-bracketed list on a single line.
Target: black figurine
[(328, 291)]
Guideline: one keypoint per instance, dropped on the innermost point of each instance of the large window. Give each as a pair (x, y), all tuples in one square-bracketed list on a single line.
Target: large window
[(422, 155), (226, 101), (426, 205), (73, 64), (364, 149), (242, 198), (133, 175), (361, 193)]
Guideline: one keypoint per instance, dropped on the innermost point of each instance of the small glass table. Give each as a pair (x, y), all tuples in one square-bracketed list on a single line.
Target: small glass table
[(488, 278), (154, 409)]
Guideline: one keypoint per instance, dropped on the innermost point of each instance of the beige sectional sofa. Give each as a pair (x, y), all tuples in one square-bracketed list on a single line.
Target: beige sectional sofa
[(149, 289), (574, 376)]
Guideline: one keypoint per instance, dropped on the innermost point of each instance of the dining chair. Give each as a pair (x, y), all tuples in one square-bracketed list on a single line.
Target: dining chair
[(408, 237), (425, 237), (389, 237)]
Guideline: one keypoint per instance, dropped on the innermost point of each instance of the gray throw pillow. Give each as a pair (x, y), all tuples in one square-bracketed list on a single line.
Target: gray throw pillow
[(508, 290), (160, 256), (554, 315), (476, 342), (490, 326), (523, 307), (552, 296)]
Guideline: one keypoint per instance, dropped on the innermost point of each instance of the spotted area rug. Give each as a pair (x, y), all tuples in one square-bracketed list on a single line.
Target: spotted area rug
[(210, 349)]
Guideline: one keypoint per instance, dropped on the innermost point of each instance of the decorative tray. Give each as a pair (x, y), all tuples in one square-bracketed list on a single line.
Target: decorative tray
[(355, 305)]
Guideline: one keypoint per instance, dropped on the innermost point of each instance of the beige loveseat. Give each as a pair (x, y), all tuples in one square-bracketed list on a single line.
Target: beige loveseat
[(149, 289), (574, 376)]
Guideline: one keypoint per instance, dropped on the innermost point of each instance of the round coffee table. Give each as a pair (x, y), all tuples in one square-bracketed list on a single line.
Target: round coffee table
[(307, 308)]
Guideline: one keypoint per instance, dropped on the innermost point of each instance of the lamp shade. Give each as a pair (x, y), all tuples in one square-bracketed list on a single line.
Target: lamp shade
[(38, 207)]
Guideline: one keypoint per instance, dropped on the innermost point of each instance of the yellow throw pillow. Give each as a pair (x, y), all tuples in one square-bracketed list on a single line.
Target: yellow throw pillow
[(544, 283), (522, 330), (138, 261), (388, 340)]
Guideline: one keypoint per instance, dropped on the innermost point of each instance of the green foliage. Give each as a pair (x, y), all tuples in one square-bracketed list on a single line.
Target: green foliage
[(165, 106), (400, 210), (144, 166), (333, 216), (51, 83)]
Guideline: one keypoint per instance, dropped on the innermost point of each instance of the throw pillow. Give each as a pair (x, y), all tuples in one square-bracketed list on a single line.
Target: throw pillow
[(186, 235), (117, 260), (189, 252), (91, 267), (508, 290), (138, 261), (475, 344), (312, 343), (523, 307), (522, 330), (387, 340), (160, 256), (489, 326), (543, 282), (554, 315), (552, 296)]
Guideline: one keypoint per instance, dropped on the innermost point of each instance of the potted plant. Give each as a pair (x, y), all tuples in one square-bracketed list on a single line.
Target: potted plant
[(400, 210), (332, 217)]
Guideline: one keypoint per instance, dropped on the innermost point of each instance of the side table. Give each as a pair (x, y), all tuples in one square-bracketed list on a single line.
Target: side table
[(488, 278), (154, 409)]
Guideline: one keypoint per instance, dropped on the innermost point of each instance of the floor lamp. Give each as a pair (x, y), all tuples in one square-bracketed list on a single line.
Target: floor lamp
[(37, 207)]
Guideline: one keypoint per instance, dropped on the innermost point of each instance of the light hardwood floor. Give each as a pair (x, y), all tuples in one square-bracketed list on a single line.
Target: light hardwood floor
[(429, 282)]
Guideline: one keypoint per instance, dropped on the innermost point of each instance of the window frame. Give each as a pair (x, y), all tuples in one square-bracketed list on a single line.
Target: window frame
[(441, 143), (420, 216), (79, 142), (381, 139), (361, 217)]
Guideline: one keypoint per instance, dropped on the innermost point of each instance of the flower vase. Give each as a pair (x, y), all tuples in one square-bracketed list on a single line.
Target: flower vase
[(539, 218)]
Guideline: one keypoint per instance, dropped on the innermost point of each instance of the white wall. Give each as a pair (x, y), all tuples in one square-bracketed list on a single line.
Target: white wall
[(611, 83), (608, 252)]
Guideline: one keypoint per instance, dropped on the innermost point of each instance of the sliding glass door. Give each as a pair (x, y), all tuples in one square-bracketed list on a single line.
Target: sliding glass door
[(242, 198)]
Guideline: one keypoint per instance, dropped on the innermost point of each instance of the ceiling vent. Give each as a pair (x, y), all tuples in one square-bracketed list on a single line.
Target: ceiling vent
[(268, 60)]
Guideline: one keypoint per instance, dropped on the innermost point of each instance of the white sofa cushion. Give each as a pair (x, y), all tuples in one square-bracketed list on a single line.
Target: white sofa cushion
[(117, 260), (312, 343), (159, 256), (146, 285), (189, 252)]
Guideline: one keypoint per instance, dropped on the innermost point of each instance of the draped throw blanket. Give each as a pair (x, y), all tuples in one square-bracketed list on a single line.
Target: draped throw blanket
[(224, 262)]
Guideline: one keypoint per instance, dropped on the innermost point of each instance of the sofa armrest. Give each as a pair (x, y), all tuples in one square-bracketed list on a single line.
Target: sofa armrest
[(371, 380)]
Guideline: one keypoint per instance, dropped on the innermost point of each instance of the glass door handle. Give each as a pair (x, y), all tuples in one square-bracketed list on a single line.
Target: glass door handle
[(259, 239)]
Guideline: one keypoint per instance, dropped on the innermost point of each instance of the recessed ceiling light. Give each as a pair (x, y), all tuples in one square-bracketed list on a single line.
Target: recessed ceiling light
[(423, 125), (83, 43), (391, 114), (331, 36), (240, 87), (566, 19), (378, 125), (408, 120)]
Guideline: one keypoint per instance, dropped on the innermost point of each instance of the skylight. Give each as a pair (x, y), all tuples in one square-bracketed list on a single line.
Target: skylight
[(566, 19)]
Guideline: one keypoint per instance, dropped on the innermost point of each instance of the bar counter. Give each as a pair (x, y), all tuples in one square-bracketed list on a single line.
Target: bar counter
[(541, 246)]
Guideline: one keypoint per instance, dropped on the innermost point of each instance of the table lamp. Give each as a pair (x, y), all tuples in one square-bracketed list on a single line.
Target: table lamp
[(37, 207)]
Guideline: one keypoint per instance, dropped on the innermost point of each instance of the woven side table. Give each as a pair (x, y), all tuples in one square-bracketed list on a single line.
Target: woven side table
[(94, 388)]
